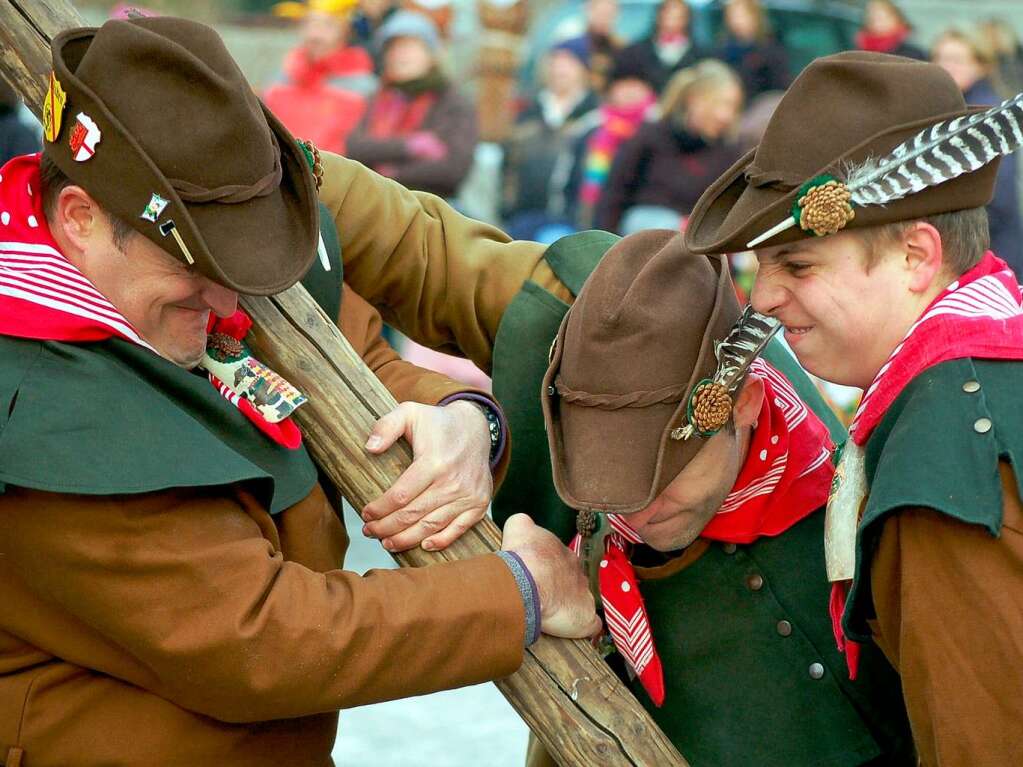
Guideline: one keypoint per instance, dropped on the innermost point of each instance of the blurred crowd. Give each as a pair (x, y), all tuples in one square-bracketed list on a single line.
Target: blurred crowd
[(610, 133)]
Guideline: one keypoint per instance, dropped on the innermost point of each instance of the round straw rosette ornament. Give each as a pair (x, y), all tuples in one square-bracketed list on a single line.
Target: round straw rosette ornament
[(711, 401)]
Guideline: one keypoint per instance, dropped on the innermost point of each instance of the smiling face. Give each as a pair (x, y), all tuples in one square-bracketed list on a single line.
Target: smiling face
[(842, 316), (167, 302)]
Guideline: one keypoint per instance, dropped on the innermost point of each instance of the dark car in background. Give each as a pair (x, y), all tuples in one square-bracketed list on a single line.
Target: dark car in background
[(807, 28)]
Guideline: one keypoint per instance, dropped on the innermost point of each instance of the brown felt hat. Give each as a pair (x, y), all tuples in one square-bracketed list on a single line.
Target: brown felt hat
[(186, 152), (841, 110), (635, 343)]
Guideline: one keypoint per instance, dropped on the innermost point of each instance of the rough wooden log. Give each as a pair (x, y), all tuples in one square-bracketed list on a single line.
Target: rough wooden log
[(564, 691)]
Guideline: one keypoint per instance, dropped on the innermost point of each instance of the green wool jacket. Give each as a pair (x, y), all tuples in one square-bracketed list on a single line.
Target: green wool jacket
[(938, 447), (194, 437), (751, 670)]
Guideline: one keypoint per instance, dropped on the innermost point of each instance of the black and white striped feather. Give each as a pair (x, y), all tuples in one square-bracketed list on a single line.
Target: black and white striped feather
[(938, 154), (743, 344)]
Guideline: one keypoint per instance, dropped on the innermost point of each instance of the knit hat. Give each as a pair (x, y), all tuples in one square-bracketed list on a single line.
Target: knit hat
[(408, 24), (575, 46)]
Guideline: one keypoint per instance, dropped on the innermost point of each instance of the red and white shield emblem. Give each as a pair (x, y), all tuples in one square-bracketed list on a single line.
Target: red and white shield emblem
[(84, 137)]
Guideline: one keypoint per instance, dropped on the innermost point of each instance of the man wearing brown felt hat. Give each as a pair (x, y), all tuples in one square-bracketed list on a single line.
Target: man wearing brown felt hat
[(864, 202), (700, 476), (170, 567)]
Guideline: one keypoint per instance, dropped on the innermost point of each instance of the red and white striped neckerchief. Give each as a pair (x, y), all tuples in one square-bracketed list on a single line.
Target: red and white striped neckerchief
[(979, 315), (786, 477), (44, 296)]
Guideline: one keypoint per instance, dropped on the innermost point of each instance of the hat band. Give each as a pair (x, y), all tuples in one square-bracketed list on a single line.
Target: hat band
[(771, 179), (231, 193), (664, 396)]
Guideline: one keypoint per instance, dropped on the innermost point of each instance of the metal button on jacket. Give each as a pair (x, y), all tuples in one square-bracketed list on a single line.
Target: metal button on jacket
[(982, 425), (729, 548), (755, 582), (784, 628), (816, 671), (971, 387)]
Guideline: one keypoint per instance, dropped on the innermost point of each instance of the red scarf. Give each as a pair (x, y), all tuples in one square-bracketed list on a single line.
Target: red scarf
[(785, 478), (43, 296), (979, 315), (881, 43), (395, 115)]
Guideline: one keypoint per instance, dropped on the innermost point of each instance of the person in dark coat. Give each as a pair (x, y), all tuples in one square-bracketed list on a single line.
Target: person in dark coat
[(973, 67), (750, 49), (16, 138), (659, 174), (418, 129), (540, 161), (886, 30), (667, 49)]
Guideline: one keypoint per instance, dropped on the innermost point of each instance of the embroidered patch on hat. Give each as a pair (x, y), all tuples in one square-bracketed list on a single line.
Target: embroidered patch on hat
[(154, 208), (84, 137), (53, 109)]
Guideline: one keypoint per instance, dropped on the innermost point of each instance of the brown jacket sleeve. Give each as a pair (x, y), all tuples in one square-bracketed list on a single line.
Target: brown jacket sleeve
[(187, 594), (947, 597), (439, 277)]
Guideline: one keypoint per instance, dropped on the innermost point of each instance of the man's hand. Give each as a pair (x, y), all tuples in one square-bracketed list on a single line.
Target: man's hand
[(447, 488), (567, 608)]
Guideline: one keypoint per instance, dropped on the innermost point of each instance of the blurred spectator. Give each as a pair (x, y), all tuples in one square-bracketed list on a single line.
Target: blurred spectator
[(368, 18), (601, 16), (750, 48), (321, 93), (16, 138), (541, 155), (886, 30), (418, 129), (754, 120), (629, 101), (1001, 38), (667, 49), (660, 173), (972, 65)]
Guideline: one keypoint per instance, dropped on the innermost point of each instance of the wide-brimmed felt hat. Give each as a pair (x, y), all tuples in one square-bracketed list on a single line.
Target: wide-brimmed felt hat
[(161, 127), (634, 345), (841, 111)]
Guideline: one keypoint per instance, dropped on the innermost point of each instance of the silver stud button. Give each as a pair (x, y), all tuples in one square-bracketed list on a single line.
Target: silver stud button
[(982, 425), (971, 387), (755, 582), (729, 548), (816, 671), (784, 628)]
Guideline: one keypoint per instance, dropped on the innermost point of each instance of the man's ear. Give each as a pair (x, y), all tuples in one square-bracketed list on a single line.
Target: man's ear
[(749, 401), (923, 256), (75, 217)]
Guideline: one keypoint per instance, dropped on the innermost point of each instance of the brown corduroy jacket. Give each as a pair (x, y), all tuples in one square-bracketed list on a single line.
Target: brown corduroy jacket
[(189, 627)]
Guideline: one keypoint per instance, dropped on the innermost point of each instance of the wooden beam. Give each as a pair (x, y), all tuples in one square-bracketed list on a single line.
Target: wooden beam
[(567, 695)]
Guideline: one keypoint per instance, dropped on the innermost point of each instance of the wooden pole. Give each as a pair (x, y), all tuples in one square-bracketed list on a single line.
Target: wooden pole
[(578, 709)]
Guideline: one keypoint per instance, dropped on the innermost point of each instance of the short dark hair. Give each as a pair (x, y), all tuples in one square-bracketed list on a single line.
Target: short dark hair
[(964, 238), (52, 181)]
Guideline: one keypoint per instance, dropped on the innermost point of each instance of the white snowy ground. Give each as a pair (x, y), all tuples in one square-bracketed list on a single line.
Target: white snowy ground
[(459, 728)]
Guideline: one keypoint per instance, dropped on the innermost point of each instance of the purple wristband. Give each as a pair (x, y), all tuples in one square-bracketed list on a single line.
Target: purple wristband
[(493, 407), (529, 592)]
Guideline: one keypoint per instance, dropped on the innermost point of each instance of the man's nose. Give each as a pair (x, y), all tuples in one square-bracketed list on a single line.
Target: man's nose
[(768, 295), (223, 301)]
